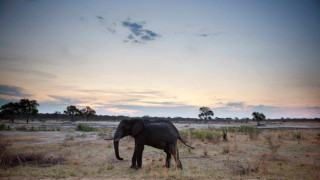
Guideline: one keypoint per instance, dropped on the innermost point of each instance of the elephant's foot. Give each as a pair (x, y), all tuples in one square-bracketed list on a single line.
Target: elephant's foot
[(135, 167)]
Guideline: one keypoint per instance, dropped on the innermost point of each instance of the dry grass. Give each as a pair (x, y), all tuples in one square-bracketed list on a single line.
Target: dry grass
[(238, 158)]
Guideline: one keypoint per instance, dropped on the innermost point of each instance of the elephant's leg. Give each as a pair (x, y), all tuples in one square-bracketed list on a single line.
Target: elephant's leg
[(139, 155), (139, 142), (176, 157), (134, 160), (168, 160)]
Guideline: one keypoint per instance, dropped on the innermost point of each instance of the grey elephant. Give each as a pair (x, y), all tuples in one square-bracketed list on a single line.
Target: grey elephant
[(158, 134)]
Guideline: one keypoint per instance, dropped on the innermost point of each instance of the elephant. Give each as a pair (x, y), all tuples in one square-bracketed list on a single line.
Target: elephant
[(158, 134)]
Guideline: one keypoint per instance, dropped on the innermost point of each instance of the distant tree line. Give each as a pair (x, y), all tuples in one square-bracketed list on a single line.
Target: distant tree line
[(25, 109)]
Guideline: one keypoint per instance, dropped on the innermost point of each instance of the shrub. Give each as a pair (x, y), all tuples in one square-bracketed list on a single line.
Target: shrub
[(21, 128), (224, 135), (3, 127), (86, 128), (226, 149), (252, 131), (297, 135), (69, 137), (273, 147), (201, 134)]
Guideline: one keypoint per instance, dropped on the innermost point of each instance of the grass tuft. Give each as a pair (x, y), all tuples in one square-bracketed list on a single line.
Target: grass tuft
[(86, 128)]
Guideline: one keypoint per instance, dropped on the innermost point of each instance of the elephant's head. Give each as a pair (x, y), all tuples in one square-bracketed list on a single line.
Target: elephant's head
[(125, 128)]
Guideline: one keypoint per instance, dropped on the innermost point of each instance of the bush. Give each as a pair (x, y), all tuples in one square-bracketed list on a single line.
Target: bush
[(21, 128), (86, 128), (273, 147), (3, 127), (201, 134), (252, 131)]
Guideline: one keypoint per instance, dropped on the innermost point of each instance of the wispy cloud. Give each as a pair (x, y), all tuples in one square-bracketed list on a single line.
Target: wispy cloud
[(65, 100), (241, 109), (121, 111), (138, 34), (235, 104), (109, 26), (208, 34), (12, 91)]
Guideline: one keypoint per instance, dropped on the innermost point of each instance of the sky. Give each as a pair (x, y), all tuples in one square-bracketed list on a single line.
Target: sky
[(163, 58)]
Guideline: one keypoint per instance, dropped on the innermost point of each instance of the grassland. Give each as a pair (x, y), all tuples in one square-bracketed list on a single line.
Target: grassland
[(246, 153)]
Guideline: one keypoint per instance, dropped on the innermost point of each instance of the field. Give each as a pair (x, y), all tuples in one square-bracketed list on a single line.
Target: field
[(245, 153)]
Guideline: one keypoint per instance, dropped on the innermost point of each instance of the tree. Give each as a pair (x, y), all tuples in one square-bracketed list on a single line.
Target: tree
[(71, 111), (27, 107), (205, 113), (258, 117), (10, 109), (88, 111)]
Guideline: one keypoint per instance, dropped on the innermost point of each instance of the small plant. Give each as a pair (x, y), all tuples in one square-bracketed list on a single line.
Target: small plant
[(3, 127), (225, 149), (224, 135), (21, 128), (205, 152), (297, 136), (69, 137), (110, 167), (83, 135), (273, 148), (205, 134), (86, 128)]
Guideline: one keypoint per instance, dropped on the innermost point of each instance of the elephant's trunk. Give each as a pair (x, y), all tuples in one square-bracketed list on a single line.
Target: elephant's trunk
[(116, 138)]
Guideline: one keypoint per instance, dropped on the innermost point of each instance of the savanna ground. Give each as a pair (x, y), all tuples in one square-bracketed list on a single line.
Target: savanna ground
[(247, 153)]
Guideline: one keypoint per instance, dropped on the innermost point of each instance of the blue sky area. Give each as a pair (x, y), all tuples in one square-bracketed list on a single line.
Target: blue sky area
[(163, 58)]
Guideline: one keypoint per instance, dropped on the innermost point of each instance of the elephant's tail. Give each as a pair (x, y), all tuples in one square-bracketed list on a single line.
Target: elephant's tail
[(185, 143)]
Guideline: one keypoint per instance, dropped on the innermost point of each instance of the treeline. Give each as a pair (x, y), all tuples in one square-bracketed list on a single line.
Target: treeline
[(27, 109), (65, 117)]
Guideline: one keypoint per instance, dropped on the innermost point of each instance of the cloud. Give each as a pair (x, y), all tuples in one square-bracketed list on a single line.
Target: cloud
[(110, 27), (65, 100), (240, 109), (203, 35), (121, 111), (138, 33), (12, 91), (176, 111), (235, 104), (208, 34)]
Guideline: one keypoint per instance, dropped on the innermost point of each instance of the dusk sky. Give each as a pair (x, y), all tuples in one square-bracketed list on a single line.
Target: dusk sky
[(163, 58)]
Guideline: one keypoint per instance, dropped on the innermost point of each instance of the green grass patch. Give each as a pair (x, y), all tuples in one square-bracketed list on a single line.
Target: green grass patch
[(201, 134), (242, 129), (21, 128), (4, 127), (252, 131), (85, 128)]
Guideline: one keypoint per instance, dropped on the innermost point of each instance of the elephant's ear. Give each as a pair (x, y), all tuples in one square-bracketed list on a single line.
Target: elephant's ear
[(137, 127)]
